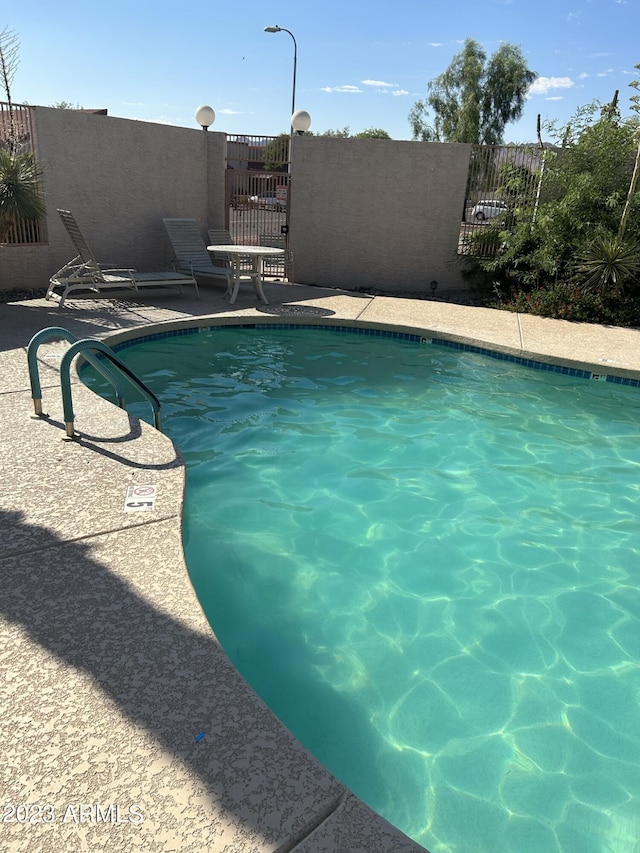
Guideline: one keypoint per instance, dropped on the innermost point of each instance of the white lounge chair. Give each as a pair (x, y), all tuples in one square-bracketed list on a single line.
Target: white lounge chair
[(191, 254), (85, 273)]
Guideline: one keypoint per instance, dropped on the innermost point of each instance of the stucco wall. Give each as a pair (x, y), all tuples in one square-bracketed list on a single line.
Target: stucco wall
[(119, 178), (377, 214), (366, 214)]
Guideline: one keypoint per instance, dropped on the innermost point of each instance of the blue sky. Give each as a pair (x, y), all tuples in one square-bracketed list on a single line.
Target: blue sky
[(361, 64)]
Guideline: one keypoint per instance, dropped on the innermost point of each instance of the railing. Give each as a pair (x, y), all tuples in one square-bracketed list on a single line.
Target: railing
[(15, 126), (84, 346), (26, 231)]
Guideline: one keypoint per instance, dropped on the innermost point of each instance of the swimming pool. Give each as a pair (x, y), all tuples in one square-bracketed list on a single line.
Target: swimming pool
[(426, 562)]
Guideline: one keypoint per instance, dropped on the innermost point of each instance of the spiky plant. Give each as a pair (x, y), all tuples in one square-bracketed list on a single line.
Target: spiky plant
[(609, 262), (19, 194)]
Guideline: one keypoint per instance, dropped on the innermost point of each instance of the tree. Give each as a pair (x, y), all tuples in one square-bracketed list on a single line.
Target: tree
[(345, 133), (8, 65), (66, 105), (373, 133), (635, 105), (474, 98), (340, 133), (276, 153)]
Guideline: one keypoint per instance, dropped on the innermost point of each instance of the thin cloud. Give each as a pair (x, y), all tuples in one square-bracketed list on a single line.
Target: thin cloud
[(383, 88), (605, 73), (349, 89), (379, 84), (435, 44), (542, 85), (229, 112)]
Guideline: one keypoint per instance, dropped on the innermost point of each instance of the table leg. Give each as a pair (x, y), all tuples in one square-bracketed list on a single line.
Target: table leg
[(255, 274), (258, 269), (235, 283)]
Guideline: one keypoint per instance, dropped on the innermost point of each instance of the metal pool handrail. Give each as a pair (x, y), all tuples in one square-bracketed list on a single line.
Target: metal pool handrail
[(84, 346), (34, 372), (65, 380)]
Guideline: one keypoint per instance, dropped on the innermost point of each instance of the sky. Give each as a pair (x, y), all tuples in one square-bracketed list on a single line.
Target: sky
[(360, 63)]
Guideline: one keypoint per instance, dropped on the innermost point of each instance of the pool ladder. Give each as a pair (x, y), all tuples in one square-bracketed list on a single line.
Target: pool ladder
[(86, 346)]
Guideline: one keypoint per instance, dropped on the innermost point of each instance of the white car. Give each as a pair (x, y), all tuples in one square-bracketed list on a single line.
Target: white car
[(270, 201), (488, 209)]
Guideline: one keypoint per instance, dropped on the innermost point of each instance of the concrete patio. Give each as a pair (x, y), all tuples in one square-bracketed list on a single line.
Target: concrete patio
[(109, 668)]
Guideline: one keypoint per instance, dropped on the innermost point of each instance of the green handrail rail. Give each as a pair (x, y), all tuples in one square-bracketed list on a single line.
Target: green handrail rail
[(115, 378), (83, 346), (34, 371)]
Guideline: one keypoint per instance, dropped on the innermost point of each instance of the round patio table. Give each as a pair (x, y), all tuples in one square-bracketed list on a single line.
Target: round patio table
[(237, 254)]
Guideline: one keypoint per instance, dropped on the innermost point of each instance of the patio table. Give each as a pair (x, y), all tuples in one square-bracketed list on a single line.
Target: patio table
[(256, 254)]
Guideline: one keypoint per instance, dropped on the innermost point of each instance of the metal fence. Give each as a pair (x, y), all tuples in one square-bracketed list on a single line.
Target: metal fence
[(16, 135), (257, 194), (501, 179)]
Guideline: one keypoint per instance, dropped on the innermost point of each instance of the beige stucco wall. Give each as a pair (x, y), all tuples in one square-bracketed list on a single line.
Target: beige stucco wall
[(377, 214), (366, 214), (119, 178)]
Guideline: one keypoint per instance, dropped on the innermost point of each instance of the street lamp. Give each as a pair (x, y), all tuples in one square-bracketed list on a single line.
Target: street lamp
[(300, 121), (205, 116), (278, 29)]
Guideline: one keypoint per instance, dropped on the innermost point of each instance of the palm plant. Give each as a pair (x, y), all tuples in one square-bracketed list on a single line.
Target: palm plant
[(609, 262), (19, 194)]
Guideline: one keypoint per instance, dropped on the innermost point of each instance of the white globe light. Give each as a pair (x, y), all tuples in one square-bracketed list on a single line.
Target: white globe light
[(205, 116), (301, 121)]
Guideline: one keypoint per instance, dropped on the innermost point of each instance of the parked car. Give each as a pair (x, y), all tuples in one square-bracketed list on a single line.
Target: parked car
[(488, 208), (269, 201)]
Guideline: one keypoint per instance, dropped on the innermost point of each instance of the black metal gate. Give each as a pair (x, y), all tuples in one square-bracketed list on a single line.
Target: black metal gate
[(257, 194), (501, 179)]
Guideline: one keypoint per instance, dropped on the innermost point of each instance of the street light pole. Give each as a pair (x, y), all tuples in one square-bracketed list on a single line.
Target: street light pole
[(277, 29)]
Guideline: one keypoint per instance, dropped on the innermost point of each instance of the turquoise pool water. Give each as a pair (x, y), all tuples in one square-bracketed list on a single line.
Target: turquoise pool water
[(427, 563)]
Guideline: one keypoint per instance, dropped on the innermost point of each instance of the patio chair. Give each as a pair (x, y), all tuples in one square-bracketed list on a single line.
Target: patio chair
[(85, 273), (191, 254), (278, 266), (221, 237)]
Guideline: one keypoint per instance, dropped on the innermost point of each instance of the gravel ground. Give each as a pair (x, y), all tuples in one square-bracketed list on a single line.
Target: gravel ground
[(17, 295)]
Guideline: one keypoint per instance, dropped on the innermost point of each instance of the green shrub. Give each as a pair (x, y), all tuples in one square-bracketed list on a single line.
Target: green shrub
[(571, 302), (568, 258)]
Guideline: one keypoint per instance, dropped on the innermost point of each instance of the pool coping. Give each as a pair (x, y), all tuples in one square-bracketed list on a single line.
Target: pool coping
[(99, 741)]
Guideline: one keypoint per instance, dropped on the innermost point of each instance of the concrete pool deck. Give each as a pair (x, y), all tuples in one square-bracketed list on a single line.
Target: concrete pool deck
[(110, 671)]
